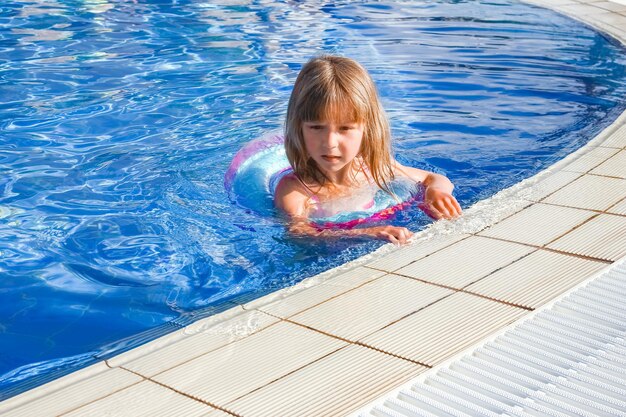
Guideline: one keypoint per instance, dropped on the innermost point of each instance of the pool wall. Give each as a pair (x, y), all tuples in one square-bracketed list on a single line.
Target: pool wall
[(340, 339)]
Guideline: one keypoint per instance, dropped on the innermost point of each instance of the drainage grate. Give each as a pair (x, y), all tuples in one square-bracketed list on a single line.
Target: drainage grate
[(569, 359)]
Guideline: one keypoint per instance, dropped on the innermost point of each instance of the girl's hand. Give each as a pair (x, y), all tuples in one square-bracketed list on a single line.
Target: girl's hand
[(393, 234), (438, 200), (439, 204)]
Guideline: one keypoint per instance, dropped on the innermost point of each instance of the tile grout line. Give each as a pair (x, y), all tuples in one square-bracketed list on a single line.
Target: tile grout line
[(588, 209), (580, 175), (576, 255), (358, 343), (348, 343), (411, 313), (123, 365), (260, 308), (104, 396), (464, 291), (201, 354), (365, 345), (386, 273), (613, 177), (183, 393), (614, 205), (415, 260), (287, 374)]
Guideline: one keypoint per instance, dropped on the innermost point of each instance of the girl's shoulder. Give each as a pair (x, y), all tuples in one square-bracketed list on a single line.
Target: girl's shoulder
[(291, 183), (292, 195)]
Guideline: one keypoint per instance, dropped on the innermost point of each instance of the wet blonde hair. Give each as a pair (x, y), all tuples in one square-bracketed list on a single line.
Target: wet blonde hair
[(329, 87)]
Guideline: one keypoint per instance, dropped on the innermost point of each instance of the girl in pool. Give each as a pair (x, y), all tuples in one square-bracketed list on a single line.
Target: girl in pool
[(338, 142)]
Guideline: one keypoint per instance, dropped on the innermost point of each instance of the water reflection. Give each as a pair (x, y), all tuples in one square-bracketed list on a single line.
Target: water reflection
[(42, 34), (97, 6)]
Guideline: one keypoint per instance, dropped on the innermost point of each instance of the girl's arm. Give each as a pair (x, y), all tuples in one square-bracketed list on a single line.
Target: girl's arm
[(393, 234), (291, 198), (439, 203)]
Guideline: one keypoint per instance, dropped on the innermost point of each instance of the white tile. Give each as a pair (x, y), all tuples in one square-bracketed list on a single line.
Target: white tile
[(317, 293), (619, 208), (608, 133), (168, 339), (146, 399), (603, 237), (369, 308), (613, 167), (611, 6), (466, 261), (536, 279), (200, 338), (417, 250), (614, 19), (590, 192), (232, 371), (607, 23), (617, 139), (444, 328), (337, 385), (538, 224), (581, 9), (50, 387), (590, 159), (551, 3), (45, 401), (552, 183)]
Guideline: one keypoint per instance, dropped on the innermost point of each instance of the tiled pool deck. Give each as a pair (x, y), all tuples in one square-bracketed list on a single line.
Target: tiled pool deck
[(335, 342)]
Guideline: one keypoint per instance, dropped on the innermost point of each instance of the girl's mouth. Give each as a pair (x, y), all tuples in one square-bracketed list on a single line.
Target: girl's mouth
[(331, 157)]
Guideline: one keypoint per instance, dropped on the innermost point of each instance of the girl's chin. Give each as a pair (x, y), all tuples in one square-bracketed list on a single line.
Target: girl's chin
[(332, 166)]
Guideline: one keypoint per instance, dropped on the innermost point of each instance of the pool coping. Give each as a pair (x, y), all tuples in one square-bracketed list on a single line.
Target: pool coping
[(296, 328)]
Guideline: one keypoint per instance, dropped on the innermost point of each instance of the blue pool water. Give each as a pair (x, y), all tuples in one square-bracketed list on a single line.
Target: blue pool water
[(118, 120)]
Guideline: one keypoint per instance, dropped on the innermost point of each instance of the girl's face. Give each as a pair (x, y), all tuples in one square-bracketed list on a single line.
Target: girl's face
[(333, 145)]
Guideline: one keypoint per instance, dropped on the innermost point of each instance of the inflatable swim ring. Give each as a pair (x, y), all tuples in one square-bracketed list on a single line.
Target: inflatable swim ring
[(259, 166)]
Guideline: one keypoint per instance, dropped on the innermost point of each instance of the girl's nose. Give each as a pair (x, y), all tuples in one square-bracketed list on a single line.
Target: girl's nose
[(331, 139)]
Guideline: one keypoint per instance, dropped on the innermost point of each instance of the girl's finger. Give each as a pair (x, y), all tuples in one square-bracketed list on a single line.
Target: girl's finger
[(430, 210), (441, 207), (459, 210), (397, 234), (404, 235), (392, 239), (454, 208), (450, 208)]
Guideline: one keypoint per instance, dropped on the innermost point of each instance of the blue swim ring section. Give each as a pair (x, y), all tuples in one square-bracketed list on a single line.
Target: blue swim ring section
[(254, 173)]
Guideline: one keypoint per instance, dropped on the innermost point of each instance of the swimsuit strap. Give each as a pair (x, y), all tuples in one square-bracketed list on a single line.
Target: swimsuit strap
[(278, 177), (312, 196)]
